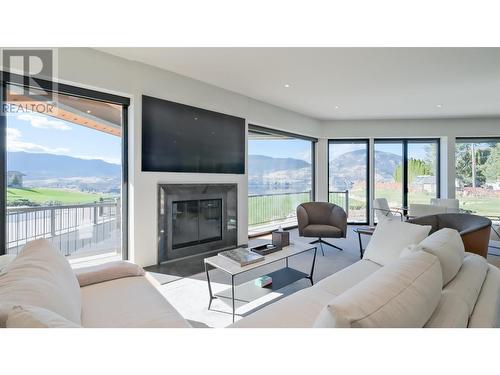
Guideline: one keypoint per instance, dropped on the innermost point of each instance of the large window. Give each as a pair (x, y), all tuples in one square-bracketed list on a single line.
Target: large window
[(477, 163), (406, 171), (388, 159), (64, 177), (348, 177), (280, 177), (422, 171)]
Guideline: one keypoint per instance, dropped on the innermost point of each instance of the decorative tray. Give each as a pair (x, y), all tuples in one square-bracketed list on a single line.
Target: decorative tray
[(265, 249)]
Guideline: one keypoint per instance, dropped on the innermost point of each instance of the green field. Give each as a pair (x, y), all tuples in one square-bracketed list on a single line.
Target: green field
[(43, 195)]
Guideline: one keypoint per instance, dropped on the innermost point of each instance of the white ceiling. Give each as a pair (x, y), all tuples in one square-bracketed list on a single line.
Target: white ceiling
[(365, 83)]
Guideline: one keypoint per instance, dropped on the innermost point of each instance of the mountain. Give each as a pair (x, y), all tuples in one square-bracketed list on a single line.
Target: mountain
[(49, 166), (351, 166), (259, 165), (385, 165)]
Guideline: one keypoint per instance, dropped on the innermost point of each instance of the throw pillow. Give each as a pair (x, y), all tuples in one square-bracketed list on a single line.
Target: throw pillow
[(391, 237), (36, 317), (41, 276), (106, 272), (403, 294), (448, 246)]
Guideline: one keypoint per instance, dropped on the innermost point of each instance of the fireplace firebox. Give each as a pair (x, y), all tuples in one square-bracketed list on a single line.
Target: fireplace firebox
[(195, 219)]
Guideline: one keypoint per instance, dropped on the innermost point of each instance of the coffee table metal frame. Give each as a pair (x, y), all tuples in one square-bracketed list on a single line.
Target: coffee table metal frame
[(363, 230), (254, 266)]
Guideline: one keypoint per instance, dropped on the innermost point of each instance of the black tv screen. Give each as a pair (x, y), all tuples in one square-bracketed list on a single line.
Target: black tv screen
[(181, 138)]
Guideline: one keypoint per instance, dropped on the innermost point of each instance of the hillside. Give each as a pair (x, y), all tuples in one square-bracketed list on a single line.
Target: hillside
[(259, 165), (49, 166), (351, 166)]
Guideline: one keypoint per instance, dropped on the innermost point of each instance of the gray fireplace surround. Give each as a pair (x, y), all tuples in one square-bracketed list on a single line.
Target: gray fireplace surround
[(195, 219)]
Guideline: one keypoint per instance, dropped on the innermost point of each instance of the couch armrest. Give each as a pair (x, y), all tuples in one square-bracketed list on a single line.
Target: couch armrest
[(106, 272)]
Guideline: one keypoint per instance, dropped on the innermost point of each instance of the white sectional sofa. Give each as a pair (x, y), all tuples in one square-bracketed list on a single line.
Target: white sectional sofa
[(405, 280), (38, 288)]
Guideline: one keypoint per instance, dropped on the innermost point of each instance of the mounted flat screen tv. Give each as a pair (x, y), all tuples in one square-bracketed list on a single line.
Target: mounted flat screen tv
[(181, 138)]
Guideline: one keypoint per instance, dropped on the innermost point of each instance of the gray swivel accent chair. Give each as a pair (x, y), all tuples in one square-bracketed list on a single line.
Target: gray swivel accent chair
[(322, 220)]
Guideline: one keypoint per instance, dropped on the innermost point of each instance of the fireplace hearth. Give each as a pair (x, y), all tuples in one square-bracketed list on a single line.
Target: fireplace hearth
[(195, 219)]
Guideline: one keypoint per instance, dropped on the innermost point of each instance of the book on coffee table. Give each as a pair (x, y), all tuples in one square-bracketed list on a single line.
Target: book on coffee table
[(242, 257)]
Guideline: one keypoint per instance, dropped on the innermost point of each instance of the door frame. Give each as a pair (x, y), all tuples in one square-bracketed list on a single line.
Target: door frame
[(368, 173), (404, 142), (7, 78)]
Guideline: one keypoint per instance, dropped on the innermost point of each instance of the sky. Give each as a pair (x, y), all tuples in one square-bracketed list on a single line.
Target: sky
[(38, 133), (285, 148), (415, 150)]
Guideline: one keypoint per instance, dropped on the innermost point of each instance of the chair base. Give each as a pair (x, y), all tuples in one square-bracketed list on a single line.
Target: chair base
[(321, 242)]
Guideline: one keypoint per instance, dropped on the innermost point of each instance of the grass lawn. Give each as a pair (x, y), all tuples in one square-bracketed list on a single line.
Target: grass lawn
[(42, 195), (486, 206)]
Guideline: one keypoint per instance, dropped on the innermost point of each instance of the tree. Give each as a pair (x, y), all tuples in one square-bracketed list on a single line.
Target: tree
[(463, 155), (416, 167), (16, 181), (492, 166)]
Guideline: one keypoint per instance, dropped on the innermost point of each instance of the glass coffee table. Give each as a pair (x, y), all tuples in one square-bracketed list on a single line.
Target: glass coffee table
[(246, 292)]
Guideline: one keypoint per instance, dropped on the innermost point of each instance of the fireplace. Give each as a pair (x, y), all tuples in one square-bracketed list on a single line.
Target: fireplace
[(195, 219)]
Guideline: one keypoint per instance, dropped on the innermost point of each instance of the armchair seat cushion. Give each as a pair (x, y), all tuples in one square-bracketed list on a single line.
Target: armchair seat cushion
[(319, 230)]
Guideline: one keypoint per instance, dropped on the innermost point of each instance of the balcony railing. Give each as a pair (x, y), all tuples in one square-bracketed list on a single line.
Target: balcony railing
[(340, 198), (72, 228), (267, 208)]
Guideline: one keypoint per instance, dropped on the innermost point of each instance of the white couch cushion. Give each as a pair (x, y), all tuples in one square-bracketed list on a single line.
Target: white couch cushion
[(36, 317), (487, 309), (130, 302), (346, 278), (451, 312), (391, 237), (5, 260), (448, 246), (41, 276), (402, 294), (469, 280), (298, 310)]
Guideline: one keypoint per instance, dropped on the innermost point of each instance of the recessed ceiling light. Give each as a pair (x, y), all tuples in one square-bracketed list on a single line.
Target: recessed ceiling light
[(287, 85), (88, 111), (337, 107), (439, 105)]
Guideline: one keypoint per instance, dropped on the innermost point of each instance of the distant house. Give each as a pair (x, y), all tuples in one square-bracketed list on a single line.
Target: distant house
[(425, 184), (15, 179)]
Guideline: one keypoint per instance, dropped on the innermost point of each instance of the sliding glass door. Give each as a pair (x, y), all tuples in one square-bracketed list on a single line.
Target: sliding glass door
[(280, 177), (389, 162), (348, 177), (65, 177), (406, 171), (422, 171), (477, 166)]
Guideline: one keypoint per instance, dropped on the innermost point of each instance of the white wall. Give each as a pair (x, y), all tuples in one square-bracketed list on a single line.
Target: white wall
[(465, 127), (97, 70)]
